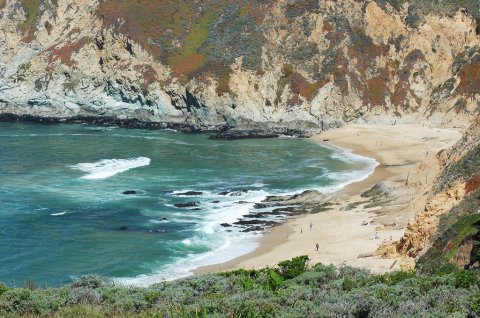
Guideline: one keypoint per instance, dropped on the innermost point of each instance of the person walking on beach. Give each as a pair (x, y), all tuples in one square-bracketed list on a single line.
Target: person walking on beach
[(311, 224), (317, 246)]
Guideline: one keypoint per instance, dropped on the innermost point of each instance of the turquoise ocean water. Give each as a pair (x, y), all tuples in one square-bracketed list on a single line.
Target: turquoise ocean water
[(63, 212)]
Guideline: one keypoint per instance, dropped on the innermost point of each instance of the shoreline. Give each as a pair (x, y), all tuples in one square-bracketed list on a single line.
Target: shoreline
[(397, 149), (216, 131)]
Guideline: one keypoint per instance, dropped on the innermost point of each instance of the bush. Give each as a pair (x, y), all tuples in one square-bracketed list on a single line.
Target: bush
[(397, 277), (16, 301), (475, 304), (292, 290), (466, 278), (294, 267), (3, 289), (91, 281), (84, 296), (48, 301)]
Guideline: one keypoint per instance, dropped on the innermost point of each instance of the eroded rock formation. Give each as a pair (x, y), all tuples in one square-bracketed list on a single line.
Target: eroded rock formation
[(216, 64)]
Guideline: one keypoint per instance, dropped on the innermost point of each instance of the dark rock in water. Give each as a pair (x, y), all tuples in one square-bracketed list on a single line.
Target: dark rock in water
[(285, 210), (188, 193), (238, 193), (216, 201), (232, 134), (104, 121), (255, 221), (234, 193), (123, 228), (129, 192), (260, 206), (225, 225), (242, 202), (252, 229), (255, 215), (243, 134), (195, 209), (260, 227), (163, 219), (186, 205), (277, 198)]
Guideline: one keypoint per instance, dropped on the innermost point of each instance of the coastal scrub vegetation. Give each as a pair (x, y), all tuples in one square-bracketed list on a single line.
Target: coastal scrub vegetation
[(292, 289)]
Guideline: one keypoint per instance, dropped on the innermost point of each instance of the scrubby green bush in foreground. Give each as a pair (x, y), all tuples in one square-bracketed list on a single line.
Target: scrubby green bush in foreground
[(289, 290)]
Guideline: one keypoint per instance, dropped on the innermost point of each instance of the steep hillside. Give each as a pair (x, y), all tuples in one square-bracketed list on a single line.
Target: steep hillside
[(446, 226), (214, 64)]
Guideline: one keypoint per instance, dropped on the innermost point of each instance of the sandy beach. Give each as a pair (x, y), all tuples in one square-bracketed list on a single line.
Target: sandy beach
[(339, 232)]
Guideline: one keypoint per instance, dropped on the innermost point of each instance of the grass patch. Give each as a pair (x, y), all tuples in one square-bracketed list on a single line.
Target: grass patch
[(31, 8), (188, 59)]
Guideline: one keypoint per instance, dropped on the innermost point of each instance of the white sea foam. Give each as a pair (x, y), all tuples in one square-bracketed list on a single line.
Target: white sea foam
[(58, 214), (345, 178), (225, 246), (229, 247), (107, 168)]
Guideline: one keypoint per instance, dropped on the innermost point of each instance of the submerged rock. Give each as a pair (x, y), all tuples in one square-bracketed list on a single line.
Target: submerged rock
[(186, 205), (129, 192), (188, 193), (274, 132), (236, 193)]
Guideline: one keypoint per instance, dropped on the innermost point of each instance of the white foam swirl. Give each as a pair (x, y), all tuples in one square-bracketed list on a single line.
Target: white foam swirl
[(107, 168)]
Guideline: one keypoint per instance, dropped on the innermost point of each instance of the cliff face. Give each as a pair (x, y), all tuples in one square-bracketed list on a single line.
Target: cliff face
[(213, 63), (446, 225)]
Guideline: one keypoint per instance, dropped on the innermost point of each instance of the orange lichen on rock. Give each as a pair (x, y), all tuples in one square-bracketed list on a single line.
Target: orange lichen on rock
[(65, 52), (472, 184), (469, 80)]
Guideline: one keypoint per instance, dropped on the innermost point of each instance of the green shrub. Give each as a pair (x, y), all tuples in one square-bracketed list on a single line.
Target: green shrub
[(465, 278), (294, 267), (16, 301), (292, 290), (275, 279), (475, 304), (90, 281), (398, 276), (3, 289), (348, 284), (84, 296)]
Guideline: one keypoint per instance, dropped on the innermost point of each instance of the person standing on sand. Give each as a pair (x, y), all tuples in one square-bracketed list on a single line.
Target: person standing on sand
[(317, 246), (311, 224)]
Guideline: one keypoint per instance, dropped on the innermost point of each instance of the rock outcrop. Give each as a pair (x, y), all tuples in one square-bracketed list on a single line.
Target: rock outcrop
[(217, 65)]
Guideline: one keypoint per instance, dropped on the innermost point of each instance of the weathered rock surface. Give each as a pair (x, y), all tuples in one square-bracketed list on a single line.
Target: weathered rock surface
[(280, 67)]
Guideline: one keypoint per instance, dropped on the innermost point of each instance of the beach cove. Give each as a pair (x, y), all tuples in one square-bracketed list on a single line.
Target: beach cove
[(342, 238)]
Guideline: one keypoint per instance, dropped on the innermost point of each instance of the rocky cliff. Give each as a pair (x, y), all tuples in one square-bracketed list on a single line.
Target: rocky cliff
[(446, 225), (216, 64)]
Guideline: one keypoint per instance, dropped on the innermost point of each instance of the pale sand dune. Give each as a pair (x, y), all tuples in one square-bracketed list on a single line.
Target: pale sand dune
[(340, 234)]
